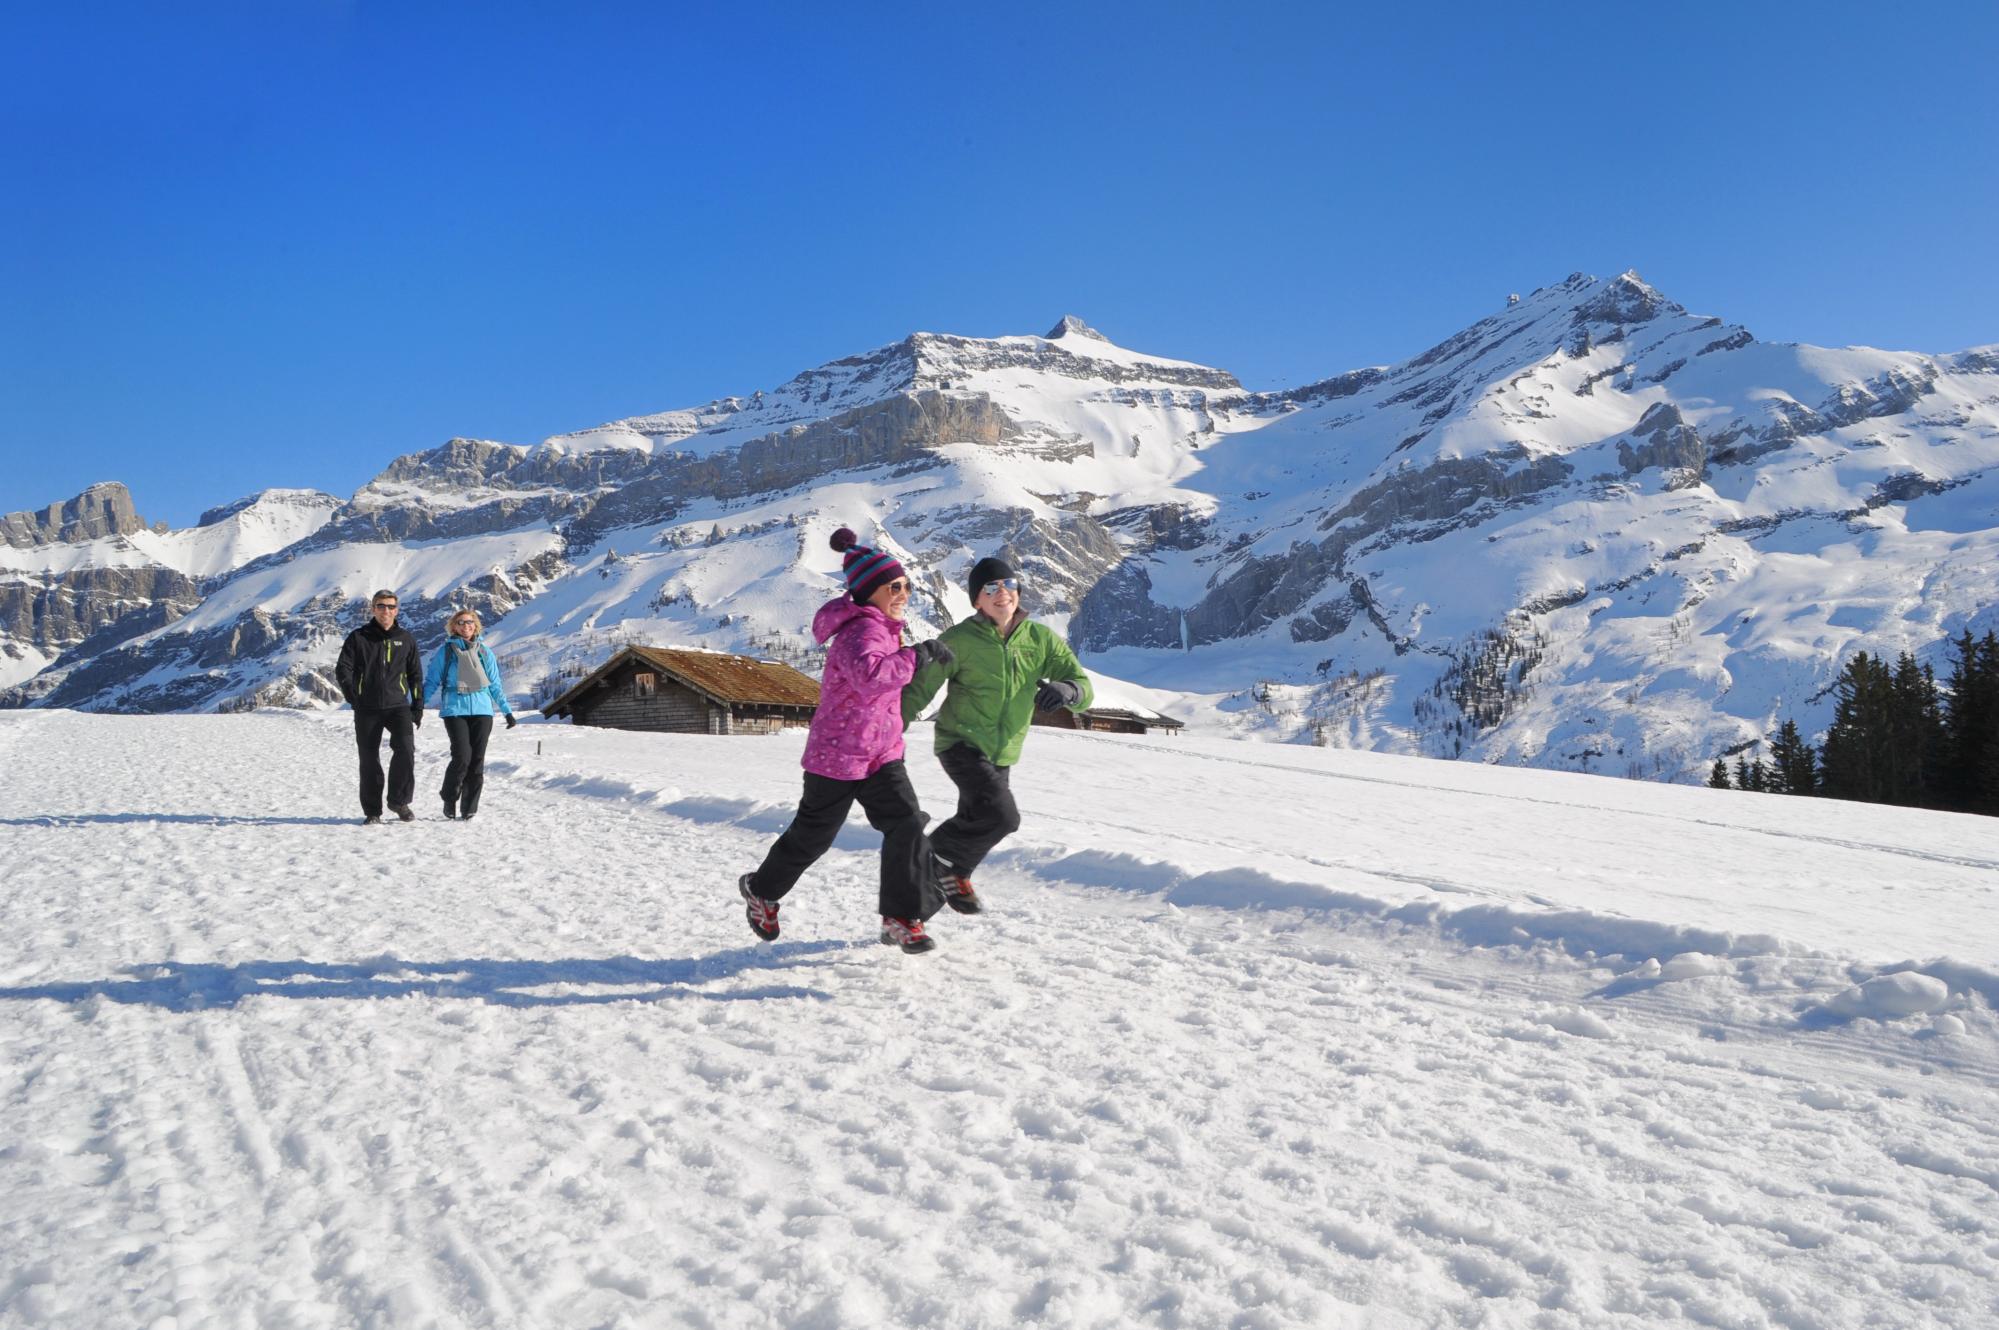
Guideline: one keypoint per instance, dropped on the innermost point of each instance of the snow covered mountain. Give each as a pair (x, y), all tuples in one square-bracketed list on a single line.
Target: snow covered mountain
[(81, 577), (1592, 530)]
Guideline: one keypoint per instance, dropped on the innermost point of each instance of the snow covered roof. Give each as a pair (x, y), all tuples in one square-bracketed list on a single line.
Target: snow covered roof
[(1157, 720)]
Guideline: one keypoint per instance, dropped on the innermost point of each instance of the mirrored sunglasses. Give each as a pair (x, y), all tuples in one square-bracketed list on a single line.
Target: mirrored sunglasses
[(993, 588)]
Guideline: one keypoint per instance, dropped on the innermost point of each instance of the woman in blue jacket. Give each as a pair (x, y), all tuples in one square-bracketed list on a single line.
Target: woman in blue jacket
[(470, 679)]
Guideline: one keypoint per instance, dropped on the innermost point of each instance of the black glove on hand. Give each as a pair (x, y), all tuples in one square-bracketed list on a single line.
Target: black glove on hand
[(511, 722), (416, 717), (932, 652), (1054, 694)]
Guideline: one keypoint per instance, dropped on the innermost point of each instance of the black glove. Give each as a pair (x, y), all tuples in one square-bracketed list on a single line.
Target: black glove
[(932, 652), (511, 722), (1054, 694), (416, 717)]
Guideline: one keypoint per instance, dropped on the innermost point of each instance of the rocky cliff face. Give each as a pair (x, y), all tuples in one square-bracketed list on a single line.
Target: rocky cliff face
[(70, 609), (101, 510)]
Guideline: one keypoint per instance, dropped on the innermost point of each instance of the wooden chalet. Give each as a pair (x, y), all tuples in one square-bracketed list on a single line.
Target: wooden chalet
[(689, 692), (1109, 720)]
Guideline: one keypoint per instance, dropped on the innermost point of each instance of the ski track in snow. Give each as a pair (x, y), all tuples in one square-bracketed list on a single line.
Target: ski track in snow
[(266, 1067)]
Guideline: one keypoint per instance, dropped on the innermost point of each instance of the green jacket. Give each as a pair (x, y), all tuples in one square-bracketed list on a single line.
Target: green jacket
[(990, 702)]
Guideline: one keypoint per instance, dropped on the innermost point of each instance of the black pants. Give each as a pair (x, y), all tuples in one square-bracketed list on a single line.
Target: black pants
[(466, 775), (368, 727), (986, 812), (908, 890)]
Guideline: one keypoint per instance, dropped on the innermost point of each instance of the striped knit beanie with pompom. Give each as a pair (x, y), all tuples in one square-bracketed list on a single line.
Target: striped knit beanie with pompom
[(865, 569)]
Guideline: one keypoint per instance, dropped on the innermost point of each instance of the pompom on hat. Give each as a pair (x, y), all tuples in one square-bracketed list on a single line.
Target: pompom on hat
[(865, 569)]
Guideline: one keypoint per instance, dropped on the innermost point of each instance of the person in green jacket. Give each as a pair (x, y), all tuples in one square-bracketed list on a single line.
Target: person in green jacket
[(1003, 667)]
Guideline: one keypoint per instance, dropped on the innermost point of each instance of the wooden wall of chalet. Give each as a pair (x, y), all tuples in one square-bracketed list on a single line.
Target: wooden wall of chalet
[(672, 708), (1065, 719)]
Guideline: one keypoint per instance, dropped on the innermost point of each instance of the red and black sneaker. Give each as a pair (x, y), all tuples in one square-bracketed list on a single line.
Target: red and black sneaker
[(954, 887), (761, 913), (907, 934), (958, 894)]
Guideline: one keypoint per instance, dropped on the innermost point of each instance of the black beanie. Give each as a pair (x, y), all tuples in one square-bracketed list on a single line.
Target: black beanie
[(989, 569)]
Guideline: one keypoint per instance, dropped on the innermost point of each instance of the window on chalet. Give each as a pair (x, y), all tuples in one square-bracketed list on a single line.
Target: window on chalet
[(644, 685)]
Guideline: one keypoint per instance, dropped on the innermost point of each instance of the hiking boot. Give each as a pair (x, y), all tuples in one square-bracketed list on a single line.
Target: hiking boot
[(761, 913), (451, 810), (403, 811), (372, 820), (907, 934)]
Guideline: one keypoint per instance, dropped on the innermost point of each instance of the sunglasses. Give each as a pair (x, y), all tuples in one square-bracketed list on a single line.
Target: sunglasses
[(900, 584), (385, 604), (993, 588)]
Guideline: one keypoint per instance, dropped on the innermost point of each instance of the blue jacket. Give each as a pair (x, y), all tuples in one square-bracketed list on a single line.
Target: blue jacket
[(443, 673)]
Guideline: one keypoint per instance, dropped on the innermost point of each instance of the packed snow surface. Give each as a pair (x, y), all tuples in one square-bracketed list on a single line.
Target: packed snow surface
[(1249, 1036)]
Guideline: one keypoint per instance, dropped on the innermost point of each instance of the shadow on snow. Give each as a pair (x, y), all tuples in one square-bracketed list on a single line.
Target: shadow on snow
[(173, 986)]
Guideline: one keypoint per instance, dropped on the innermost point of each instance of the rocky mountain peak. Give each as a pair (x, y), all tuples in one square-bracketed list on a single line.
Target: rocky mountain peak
[(1071, 325), (102, 510), (1624, 299)]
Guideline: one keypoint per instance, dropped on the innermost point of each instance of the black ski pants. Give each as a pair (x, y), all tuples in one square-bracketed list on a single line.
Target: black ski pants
[(908, 888), (986, 812), (368, 729), (465, 777)]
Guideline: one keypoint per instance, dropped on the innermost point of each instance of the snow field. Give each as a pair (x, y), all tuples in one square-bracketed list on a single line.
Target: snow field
[(1206, 1061)]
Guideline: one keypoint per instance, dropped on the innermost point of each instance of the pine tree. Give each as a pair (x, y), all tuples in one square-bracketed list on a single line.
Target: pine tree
[(1717, 776), (1988, 782), (1759, 776), (1854, 762), (1913, 745), (1742, 771), (1794, 764), (1971, 726)]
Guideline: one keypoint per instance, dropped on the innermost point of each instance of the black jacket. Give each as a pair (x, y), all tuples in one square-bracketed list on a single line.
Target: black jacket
[(380, 671)]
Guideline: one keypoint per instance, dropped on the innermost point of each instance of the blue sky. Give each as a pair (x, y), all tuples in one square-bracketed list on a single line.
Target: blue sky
[(281, 243)]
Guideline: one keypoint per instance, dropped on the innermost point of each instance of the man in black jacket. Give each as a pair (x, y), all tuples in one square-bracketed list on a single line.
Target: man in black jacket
[(382, 679)]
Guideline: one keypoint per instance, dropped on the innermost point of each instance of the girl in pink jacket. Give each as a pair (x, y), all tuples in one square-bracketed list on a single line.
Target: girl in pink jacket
[(854, 751)]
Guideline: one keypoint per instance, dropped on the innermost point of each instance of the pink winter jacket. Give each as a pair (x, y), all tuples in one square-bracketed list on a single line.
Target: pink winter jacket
[(858, 727)]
